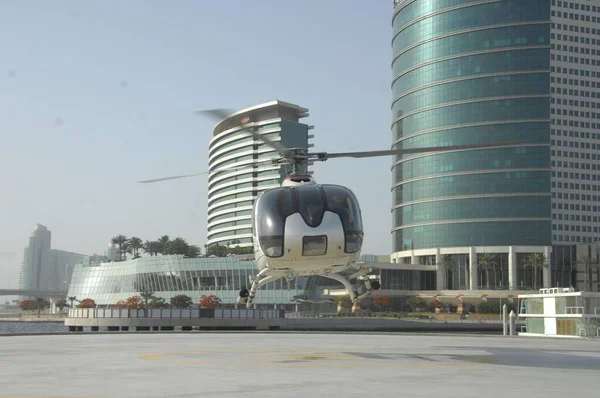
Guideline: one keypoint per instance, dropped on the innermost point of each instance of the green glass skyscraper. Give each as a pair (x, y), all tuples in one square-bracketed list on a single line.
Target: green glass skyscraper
[(467, 72)]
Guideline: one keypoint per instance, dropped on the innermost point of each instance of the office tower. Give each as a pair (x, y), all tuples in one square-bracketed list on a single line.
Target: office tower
[(231, 194), (468, 72)]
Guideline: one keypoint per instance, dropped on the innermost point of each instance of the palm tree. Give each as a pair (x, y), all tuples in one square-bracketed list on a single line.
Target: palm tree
[(121, 241), (72, 299), (147, 295), (448, 267), (163, 241), (589, 264), (176, 246), (486, 262), (40, 302), (152, 247), (193, 251), (536, 261), (135, 244)]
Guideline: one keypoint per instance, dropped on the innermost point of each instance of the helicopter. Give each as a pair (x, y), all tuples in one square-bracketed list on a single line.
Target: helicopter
[(305, 228)]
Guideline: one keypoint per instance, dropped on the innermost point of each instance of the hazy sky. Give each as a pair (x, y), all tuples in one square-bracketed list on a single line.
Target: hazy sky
[(95, 95)]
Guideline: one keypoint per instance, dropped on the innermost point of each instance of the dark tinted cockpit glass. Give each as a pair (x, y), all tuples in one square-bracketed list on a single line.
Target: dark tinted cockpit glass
[(341, 200), (272, 209), (310, 204)]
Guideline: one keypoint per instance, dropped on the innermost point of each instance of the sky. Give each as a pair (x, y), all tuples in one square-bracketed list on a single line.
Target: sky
[(95, 96)]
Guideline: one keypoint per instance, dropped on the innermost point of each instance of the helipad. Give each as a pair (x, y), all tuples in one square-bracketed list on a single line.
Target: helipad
[(295, 365)]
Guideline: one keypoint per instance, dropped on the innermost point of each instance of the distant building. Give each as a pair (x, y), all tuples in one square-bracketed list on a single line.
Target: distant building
[(112, 253), (231, 194), (44, 268)]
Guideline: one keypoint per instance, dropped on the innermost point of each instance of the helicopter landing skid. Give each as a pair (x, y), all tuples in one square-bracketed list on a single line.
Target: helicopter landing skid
[(263, 277), (362, 273)]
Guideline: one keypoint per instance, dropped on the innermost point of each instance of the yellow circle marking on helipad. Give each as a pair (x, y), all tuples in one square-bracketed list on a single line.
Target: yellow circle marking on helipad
[(300, 359)]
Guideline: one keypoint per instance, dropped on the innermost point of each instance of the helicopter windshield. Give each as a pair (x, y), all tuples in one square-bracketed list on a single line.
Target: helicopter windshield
[(342, 201), (273, 208), (311, 201), (310, 204)]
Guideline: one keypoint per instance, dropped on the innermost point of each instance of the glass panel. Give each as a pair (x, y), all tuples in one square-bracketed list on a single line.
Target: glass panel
[(310, 204), (273, 207), (342, 201)]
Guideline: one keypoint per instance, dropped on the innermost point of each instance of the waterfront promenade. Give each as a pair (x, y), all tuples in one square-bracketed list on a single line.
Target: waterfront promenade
[(290, 364)]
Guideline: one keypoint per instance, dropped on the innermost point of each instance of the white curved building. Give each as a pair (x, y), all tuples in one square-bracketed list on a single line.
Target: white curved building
[(231, 194)]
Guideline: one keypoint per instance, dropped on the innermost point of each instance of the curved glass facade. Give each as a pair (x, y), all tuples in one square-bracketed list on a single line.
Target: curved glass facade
[(231, 193), (168, 276), (465, 72)]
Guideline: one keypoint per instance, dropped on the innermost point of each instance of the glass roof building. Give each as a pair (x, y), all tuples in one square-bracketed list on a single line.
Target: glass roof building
[(167, 276), (231, 194)]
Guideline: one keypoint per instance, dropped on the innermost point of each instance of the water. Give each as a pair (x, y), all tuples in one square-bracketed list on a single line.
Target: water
[(32, 327)]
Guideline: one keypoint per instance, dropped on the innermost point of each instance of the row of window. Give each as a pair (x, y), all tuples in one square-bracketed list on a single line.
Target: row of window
[(230, 215), (472, 184), (576, 228), (567, 238), (245, 231), (494, 86), (574, 123), (571, 175), (571, 112), (508, 233), (575, 6), (518, 158), (468, 18), (578, 134), (575, 72), (249, 193), (249, 144), (576, 39), (472, 65), (250, 174), (473, 208), (481, 111), (571, 92), (271, 181), (246, 223), (215, 143), (418, 9), (576, 207), (486, 39), (575, 16), (577, 83), (485, 133), (573, 49), (575, 60), (243, 203)]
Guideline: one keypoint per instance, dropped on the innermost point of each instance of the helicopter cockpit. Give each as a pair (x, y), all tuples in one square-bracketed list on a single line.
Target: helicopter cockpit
[(311, 202)]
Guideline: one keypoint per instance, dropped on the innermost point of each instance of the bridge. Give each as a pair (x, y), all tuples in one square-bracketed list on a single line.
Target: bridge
[(33, 293)]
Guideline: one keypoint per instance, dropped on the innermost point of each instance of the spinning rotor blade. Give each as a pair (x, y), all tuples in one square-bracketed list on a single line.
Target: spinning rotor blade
[(220, 114), (170, 178), (368, 154), (221, 169)]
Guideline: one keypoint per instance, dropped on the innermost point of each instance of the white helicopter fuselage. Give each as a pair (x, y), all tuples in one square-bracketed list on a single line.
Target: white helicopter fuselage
[(303, 249)]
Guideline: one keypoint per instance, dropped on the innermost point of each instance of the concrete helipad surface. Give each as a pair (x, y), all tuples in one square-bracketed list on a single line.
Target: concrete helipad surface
[(296, 365)]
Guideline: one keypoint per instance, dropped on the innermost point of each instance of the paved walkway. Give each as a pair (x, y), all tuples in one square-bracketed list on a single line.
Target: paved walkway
[(296, 365)]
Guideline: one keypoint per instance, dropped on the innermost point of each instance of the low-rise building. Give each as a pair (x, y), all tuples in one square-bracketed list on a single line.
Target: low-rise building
[(560, 312)]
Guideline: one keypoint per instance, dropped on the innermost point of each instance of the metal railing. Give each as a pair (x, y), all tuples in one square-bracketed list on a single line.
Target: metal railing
[(574, 310), (178, 313)]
